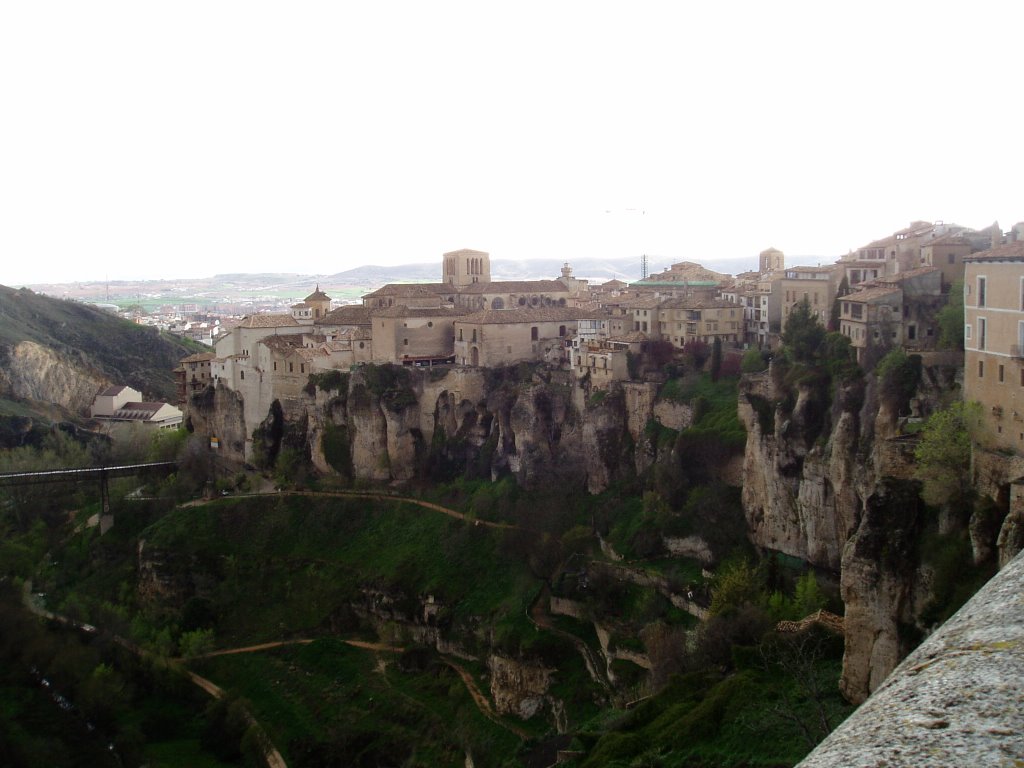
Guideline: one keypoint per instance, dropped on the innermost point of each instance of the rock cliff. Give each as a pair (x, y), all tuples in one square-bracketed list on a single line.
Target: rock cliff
[(34, 372), (832, 484), (379, 428)]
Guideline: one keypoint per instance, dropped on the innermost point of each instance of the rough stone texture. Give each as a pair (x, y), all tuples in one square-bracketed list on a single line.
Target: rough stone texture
[(518, 687), (35, 372), (677, 416), (958, 700), (219, 411), (689, 546)]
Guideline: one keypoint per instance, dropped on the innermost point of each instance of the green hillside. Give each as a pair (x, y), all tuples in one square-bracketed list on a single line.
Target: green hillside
[(138, 356)]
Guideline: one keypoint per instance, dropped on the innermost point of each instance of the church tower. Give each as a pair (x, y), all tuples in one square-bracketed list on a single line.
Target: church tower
[(319, 302), (461, 268), (771, 260)]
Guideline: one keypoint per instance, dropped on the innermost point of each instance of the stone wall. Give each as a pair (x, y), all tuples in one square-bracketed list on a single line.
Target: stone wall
[(958, 700)]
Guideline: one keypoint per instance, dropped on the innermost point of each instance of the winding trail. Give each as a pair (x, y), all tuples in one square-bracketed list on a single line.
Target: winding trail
[(482, 702), (273, 758), (479, 699), (454, 513)]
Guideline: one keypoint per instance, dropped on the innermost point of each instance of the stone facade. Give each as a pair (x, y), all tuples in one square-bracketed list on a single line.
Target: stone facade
[(994, 341)]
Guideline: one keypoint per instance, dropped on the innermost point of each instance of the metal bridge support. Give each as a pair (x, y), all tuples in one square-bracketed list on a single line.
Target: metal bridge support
[(106, 519)]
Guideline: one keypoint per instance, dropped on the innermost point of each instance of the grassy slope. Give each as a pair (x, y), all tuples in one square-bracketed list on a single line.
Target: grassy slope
[(135, 355)]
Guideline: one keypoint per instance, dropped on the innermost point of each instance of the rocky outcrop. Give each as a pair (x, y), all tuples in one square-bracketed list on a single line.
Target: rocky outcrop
[(35, 372), (169, 577), (219, 411), (518, 687), (471, 420), (833, 485)]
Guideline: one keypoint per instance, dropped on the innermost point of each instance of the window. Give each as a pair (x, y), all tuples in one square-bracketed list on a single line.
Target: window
[(981, 291), (967, 332), (291, 367), (1000, 373), (533, 332), (981, 369), (405, 342), (952, 258), (241, 375), (275, 366), (981, 332)]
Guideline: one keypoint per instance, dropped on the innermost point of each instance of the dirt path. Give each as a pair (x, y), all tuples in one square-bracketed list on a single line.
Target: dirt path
[(381, 647), (363, 495), (273, 758), (482, 702), (539, 615)]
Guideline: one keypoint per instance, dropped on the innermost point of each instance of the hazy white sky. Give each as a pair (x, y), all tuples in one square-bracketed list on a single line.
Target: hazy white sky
[(144, 139)]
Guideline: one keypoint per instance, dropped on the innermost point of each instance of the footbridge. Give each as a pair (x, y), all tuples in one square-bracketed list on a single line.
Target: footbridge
[(84, 474)]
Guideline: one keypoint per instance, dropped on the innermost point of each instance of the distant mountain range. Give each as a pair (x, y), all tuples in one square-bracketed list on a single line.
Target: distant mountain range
[(597, 270)]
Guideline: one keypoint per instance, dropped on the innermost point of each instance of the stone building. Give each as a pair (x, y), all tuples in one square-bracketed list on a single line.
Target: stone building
[(872, 317), (599, 362), (501, 337), (404, 334), (312, 308), (193, 375), (994, 340), (699, 319), (119, 406), (947, 254)]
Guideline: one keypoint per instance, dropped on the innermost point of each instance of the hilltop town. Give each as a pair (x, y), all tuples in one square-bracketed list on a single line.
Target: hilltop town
[(885, 294)]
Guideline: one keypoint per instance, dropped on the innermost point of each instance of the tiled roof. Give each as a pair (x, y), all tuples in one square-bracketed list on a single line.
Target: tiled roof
[(138, 411), (287, 341), (318, 295), (112, 391), (645, 302), (522, 315), (631, 338), (1005, 252), (515, 286), (300, 305), (267, 320), (948, 240), (400, 310), (698, 303), (351, 314), (198, 357), (408, 290), (871, 294), (899, 277)]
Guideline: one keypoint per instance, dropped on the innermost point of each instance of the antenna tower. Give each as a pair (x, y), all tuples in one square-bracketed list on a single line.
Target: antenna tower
[(643, 266)]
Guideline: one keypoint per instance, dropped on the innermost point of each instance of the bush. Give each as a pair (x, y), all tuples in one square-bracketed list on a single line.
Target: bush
[(753, 361)]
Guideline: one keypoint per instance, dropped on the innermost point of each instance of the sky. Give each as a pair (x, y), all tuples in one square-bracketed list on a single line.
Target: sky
[(175, 140)]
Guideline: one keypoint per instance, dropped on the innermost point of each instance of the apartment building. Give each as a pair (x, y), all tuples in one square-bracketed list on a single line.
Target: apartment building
[(994, 340), (696, 319)]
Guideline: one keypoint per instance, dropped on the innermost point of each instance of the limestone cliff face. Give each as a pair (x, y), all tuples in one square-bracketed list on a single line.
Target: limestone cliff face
[(218, 411), (846, 502), (800, 499), (542, 430), (35, 372)]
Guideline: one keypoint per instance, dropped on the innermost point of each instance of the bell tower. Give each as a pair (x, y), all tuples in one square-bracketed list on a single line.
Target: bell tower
[(463, 267)]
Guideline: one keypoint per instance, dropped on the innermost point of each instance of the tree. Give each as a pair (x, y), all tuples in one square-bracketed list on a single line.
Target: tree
[(803, 333), (951, 319), (842, 290), (753, 361), (898, 376), (716, 359), (944, 454)]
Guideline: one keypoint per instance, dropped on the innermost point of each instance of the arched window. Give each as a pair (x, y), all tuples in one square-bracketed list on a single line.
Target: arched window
[(497, 303)]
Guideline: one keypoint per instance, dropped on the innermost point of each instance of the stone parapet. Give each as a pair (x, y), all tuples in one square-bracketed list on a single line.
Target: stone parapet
[(958, 700)]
